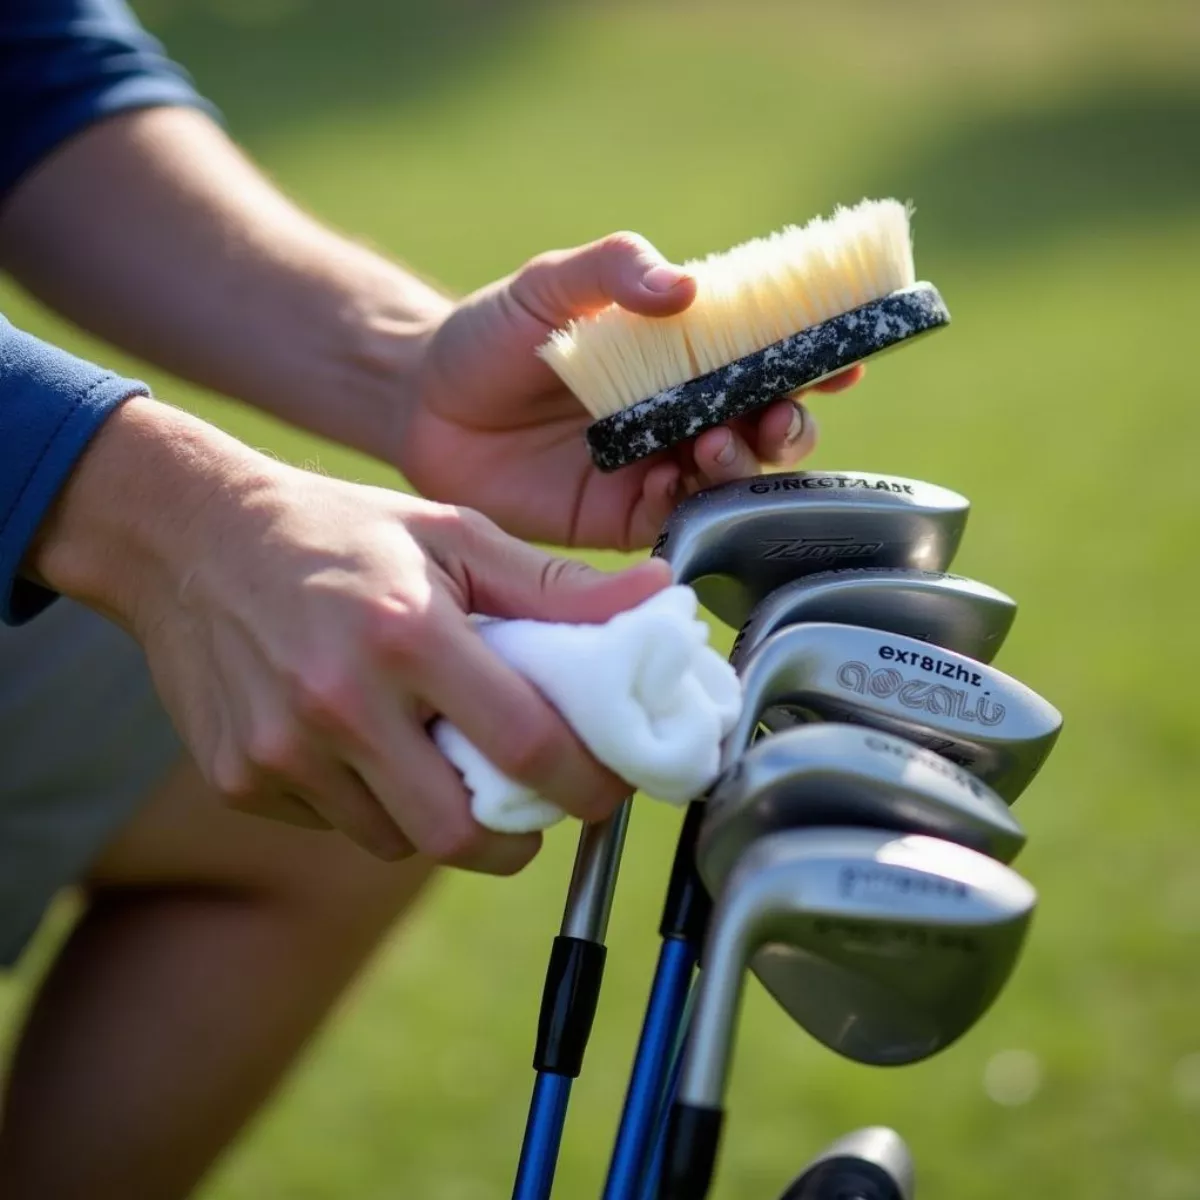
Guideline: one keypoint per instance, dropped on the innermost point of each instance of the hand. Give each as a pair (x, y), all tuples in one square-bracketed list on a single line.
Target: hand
[(303, 631), (494, 428)]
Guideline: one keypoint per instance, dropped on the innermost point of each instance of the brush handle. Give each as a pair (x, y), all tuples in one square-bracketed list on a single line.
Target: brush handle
[(679, 413)]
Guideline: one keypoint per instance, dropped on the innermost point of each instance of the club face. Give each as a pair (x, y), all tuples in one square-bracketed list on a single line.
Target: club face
[(848, 776), (966, 711), (947, 610), (738, 542), (886, 948)]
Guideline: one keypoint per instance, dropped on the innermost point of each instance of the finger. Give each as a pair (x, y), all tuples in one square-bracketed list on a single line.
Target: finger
[(289, 809), (423, 792), (844, 379), (505, 577), (508, 720), (722, 455), (338, 798), (786, 433), (623, 268), (662, 490)]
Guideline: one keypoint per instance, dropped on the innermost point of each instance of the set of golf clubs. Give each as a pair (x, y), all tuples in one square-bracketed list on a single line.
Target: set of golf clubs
[(853, 853)]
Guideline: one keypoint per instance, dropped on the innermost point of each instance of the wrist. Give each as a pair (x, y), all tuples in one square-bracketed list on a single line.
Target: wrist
[(386, 319), (131, 520)]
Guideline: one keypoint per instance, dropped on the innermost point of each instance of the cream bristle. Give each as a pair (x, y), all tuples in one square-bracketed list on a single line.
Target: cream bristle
[(747, 297)]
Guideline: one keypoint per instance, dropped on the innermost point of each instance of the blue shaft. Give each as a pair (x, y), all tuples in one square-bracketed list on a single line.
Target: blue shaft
[(543, 1135), (654, 1167), (651, 1064)]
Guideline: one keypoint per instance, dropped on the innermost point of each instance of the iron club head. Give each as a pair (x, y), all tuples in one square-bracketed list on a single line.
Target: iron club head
[(966, 711), (885, 947), (951, 611), (740, 541), (846, 775)]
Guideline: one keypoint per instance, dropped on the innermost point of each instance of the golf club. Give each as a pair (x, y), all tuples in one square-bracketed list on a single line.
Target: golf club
[(847, 776), (738, 542), (887, 948), (868, 1164), (966, 711), (951, 611)]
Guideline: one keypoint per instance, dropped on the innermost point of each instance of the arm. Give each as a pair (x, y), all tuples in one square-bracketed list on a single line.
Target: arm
[(153, 230)]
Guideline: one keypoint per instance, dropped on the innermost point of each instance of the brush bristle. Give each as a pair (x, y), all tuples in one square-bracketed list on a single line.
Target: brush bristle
[(747, 298)]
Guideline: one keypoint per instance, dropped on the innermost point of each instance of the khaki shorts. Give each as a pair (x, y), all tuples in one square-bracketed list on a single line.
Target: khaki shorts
[(83, 740)]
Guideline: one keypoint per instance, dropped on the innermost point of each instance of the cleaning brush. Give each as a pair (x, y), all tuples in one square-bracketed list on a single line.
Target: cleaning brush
[(771, 315)]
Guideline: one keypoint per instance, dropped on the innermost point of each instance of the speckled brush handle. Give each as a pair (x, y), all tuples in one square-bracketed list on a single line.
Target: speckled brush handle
[(681, 412)]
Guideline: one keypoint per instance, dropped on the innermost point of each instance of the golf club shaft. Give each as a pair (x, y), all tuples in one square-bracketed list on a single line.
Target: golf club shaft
[(653, 1167), (651, 1066), (539, 1151), (569, 998), (684, 919)]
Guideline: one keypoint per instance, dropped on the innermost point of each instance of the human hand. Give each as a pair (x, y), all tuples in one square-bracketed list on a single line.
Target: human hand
[(303, 632), (494, 428)]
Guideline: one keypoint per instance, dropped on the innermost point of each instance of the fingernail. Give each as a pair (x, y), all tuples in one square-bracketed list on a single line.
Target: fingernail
[(726, 451), (663, 278), (795, 429)]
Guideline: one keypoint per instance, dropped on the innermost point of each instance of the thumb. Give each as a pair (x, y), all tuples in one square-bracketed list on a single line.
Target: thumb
[(623, 268), (509, 578)]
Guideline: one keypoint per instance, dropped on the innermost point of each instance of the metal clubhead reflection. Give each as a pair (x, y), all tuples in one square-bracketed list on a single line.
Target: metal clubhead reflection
[(738, 542), (847, 776), (966, 711)]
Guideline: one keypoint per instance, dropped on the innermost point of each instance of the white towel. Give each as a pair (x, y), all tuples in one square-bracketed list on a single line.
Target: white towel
[(644, 692)]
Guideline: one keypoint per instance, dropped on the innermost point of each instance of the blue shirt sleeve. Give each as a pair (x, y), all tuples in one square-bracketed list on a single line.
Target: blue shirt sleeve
[(67, 63), (51, 403), (63, 65)]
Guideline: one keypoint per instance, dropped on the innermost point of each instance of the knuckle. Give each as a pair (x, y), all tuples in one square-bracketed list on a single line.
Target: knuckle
[(235, 781), (277, 750), (401, 634), (328, 699), (531, 751), (456, 840), (473, 526), (624, 242)]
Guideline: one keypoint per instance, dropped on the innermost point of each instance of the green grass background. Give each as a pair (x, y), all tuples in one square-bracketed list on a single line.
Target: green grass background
[(1053, 153)]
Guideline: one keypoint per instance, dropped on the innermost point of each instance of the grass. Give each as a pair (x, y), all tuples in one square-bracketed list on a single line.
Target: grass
[(1050, 152)]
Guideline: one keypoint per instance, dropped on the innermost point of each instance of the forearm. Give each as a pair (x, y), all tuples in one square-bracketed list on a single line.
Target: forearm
[(153, 231)]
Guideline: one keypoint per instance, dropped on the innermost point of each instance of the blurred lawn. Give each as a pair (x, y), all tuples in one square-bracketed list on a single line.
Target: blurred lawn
[(1053, 153)]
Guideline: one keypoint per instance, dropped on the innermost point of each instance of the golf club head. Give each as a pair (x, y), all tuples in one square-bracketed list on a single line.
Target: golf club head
[(886, 947), (868, 1164), (966, 711), (737, 542), (847, 776), (951, 611)]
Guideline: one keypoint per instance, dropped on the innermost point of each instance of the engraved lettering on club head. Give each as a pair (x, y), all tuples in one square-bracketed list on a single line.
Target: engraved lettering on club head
[(809, 549), (935, 698), (790, 483)]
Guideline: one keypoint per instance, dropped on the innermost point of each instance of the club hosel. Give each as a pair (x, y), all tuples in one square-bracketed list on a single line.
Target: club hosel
[(687, 906), (693, 1137)]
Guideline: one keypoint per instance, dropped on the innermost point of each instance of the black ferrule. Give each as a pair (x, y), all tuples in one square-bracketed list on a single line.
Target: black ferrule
[(691, 1152), (843, 1177), (687, 906), (568, 1005)]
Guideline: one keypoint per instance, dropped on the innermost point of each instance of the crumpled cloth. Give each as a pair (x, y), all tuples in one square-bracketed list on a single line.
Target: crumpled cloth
[(645, 692)]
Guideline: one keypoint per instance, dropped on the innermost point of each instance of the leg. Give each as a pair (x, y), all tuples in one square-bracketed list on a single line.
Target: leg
[(213, 947)]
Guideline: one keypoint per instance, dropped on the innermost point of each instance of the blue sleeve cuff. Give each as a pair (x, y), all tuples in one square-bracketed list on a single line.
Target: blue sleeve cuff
[(51, 405)]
